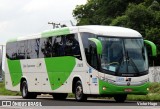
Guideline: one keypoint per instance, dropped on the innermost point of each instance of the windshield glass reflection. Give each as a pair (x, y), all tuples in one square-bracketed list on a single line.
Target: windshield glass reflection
[(123, 55)]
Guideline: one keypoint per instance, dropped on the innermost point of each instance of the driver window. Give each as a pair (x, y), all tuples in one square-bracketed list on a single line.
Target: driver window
[(93, 55), (112, 53)]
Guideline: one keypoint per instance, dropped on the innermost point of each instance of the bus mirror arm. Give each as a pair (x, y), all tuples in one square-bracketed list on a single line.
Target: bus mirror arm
[(98, 45), (153, 47)]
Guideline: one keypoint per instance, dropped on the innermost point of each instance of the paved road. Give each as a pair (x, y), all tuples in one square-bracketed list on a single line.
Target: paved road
[(69, 103)]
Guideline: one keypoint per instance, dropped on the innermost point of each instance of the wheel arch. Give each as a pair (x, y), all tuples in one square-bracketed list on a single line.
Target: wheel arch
[(74, 80), (22, 79)]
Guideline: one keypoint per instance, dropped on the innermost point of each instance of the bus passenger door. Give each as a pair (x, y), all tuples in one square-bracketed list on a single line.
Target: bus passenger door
[(92, 60)]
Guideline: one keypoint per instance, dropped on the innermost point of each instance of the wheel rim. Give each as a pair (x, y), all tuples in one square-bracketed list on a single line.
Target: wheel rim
[(79, 92), (24, 91)]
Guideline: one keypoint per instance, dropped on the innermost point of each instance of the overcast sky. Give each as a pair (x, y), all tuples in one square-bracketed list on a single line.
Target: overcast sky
[(25, 17)]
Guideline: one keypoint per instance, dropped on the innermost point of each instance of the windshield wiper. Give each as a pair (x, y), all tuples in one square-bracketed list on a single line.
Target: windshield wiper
[(127, 59), (132, 63)]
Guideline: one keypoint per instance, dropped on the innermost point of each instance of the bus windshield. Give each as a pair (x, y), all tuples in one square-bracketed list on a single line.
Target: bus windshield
[(123, 56)]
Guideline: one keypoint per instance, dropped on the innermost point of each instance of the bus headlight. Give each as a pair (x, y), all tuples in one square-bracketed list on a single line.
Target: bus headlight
[(104, 88)]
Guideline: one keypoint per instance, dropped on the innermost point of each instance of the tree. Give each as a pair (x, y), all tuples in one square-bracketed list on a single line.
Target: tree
[(137, 17), (100, 11)]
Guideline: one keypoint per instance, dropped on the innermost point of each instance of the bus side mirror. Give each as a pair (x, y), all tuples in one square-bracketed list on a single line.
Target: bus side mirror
[(98, 45), (153, 47)]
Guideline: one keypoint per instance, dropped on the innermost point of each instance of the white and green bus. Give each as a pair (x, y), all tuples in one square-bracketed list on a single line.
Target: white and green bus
[(85, 60)]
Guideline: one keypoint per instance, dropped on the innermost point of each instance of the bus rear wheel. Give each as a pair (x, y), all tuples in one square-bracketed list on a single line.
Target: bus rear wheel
[(25, 93), (60, 96), (120, 98), (79, 95)]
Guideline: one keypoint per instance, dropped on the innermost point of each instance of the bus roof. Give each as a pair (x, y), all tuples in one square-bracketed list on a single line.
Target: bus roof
[(113, 31)]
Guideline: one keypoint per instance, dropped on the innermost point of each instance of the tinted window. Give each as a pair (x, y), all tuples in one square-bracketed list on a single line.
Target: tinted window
[(59, 46), (33, 49), (53, 46), (72, 47), (90, 49), (11, 51), (46, 47), (21, 49)]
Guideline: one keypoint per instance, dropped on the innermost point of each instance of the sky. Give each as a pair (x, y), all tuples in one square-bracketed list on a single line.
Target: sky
[(26, 17)]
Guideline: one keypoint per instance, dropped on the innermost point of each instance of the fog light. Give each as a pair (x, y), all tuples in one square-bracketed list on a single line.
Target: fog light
[(104, 88), (147, 89)]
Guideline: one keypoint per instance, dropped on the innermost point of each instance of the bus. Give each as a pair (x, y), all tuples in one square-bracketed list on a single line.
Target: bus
[(89, 60)]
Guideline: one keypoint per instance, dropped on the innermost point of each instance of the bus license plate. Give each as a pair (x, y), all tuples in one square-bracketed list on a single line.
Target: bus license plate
[(128, 90)]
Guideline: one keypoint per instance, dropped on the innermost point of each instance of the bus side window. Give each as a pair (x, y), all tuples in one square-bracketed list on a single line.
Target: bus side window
[(87, 55), (93, 55), (32, 51), (48, 47), (11, 50), (59, 46), (72, 47), (42, 48), (37, 44), (21, 50)]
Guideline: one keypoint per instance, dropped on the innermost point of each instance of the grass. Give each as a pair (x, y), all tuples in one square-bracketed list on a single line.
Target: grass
[(148, 97), (3, 91), (153, 95)]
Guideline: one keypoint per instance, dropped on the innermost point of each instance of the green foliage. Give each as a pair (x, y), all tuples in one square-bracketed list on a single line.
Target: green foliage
[(120, 20), (149, 97), (153, 95), (141, 15), (3, 91), (155, 88), (99, 11)]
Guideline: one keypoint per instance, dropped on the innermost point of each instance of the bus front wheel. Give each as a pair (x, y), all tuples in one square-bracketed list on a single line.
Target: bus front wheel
[(120, 98), (25, 93), (79, 95)]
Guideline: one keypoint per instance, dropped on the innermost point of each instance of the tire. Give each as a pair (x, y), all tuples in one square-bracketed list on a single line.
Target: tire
[(25, 93), (120, 98), (60, 96), (79, 95)]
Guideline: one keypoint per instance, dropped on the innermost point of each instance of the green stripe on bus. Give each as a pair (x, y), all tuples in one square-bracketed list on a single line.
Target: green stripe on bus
[(59, 69), (15, 71), (56, 32), (12, 40), (115, 89)]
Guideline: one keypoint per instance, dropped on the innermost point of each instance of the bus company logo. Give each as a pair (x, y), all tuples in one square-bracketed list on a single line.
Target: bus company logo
[(128, 83), (6, 103), (39, 65)]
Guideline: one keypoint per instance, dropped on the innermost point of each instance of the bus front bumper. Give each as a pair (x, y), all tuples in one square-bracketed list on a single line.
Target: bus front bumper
[(109, 88)]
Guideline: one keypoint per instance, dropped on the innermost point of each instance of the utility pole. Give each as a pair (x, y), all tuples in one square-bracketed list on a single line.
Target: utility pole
[(55, 25), (1, 61), (72, 23)]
